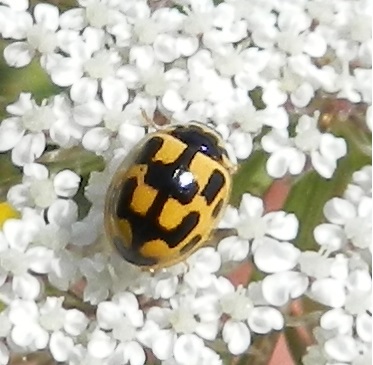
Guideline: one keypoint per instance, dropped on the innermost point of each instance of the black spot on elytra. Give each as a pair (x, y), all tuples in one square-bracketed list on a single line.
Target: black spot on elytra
[(131, 255), (190, 244), (202, 140), (213, 186), (217, 208)]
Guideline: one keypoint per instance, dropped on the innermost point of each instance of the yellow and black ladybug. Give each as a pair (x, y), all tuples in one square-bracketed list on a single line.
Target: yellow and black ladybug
[(167, 196)]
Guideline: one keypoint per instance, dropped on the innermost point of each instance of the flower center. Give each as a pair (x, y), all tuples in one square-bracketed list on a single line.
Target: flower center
[(101, 65), (252, 227), (43, 193), (97, 14), (38, 119), (124, 331), (237, 305), (308, 141), (183, 321), (14, 262), (42, 39), (146, 30)]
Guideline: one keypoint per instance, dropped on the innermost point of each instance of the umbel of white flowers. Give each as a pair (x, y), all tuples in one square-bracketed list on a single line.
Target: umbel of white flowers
[(194, 61)]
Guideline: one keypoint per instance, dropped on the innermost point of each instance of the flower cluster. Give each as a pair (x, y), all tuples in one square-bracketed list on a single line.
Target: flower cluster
[(254, 70), (341, 277)]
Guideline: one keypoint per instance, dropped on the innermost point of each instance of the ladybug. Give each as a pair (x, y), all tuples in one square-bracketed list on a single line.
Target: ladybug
[(167, 196)]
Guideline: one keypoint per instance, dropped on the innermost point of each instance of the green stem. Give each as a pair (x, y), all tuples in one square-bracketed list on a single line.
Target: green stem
[(71, 300)]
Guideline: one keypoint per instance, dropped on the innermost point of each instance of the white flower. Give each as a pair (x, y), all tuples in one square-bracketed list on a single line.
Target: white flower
[(25, 132), (244, 317), (349, 220), (289, 154), (105, 275), (40, 190), (267, 234), (284, 158), (166, 329), (123, 318), (39, 35), (86, 57), (18, 259), (33, 327)]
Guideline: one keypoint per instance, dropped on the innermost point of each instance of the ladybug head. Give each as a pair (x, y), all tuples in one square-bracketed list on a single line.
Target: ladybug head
[(203, 139)]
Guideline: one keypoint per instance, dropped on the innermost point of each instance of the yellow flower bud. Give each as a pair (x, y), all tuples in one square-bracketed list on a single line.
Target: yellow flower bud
[(7, 212)]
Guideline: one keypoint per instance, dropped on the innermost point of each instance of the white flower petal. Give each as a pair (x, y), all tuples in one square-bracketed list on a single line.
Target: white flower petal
[(242, 144), (272, 256), (63, 212), (114, 93), (273, 96), (101, 345), (208, 330), (281, 225), (66, 72), (251, 205), (165, 285), (237, 336), (315, 45), (324, 166), (332, 147), (302, 96), (130, 135), (341, 348), (279, 288), (97, 140), (60, 346), (329, 292), (330, 236), (89, 114), (29, 148), (17, 236), (47, 15), (83, 233), (165, 48), (22, 105), (173, 101), (285, 160), (75, 322), (18, 54), (339, 211), (233, 248), (66, 183), (187, 45), (11, 132), (134, 353), (162, 344), (205, 259), (187, 349), (4, 354), (84, 90), (337, 319), (73, 19), (40, 259), (108, 314), (364, 327), (264, 319), (22, 335), (26, 286)]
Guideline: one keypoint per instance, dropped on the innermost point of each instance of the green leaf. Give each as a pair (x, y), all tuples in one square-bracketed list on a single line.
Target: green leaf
[(9, 175), (310, 193), (82, 162), (251, 177), (77, 159), (31, 78)]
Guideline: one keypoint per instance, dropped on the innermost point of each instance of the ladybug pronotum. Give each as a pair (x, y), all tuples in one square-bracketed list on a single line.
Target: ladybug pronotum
[(167, 196)]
